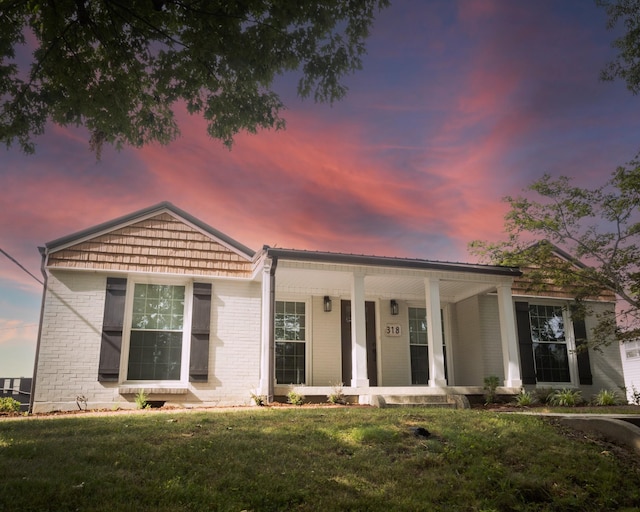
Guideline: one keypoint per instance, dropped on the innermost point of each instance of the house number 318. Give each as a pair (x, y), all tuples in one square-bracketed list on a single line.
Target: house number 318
[(393, 330)]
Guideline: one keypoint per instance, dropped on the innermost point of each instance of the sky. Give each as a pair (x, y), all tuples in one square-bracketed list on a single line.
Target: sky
[(459, 104)]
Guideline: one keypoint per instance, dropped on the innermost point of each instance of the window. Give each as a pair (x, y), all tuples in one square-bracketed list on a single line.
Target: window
[(550, 351), (290, 338), (156, 338), (418, 346), (632, 349)]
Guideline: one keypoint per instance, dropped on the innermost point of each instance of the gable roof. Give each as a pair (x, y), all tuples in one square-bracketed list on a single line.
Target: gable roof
[(151, 211), (160, 239)]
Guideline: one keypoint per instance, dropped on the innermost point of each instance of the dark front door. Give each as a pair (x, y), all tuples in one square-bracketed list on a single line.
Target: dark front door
[(372, 360)]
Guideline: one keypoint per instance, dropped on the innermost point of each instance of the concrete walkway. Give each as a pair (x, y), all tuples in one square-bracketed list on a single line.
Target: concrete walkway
[(622, 429)]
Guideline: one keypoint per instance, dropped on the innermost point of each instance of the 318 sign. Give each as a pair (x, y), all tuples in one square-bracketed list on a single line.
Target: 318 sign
[(393, 330)]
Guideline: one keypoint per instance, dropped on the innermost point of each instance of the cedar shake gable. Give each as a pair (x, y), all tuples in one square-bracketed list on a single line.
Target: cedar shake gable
[(523, 285), (159, 239)]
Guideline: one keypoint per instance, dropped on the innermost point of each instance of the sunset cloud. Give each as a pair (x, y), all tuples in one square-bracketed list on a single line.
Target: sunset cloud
[(459, 103)]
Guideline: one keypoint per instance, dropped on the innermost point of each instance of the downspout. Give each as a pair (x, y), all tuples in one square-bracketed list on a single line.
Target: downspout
[(43, 253), (272, 308)]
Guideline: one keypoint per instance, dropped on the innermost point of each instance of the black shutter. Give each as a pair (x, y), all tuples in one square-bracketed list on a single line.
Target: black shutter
[(200, 328), (582, 354), (527, 366), (109, 365)]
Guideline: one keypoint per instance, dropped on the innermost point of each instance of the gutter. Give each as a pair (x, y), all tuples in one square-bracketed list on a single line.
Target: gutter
[(44, 253)]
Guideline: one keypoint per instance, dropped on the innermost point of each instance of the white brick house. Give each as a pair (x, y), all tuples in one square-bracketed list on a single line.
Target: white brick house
[(160, 301)]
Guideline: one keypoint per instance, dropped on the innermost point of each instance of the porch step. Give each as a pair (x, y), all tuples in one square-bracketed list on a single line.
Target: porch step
[(436, 401)]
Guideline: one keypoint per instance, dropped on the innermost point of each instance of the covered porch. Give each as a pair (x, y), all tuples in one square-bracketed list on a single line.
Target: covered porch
[(380, 327)]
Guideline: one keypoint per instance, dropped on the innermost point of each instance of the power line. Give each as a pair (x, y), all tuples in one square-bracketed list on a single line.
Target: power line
[(20, 265), (22, 326)]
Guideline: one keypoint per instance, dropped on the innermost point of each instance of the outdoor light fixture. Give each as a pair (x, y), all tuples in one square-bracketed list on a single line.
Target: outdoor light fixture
[(394, 307), (327, 304)]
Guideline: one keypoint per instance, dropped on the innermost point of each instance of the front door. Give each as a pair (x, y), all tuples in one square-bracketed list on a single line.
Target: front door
[(372, 360)]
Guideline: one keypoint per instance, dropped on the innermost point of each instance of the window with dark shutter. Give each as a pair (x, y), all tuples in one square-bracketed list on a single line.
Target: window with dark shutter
[(200, 330), (112, 324)]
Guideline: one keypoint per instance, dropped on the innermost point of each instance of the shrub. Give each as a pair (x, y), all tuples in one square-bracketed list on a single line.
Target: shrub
[(635, 396), (10, 405), (295, 398), (337, 395), (606, 397), (258, 399), (543, 395), (566, 397), (141, 400), (525, 398), (491, 383)]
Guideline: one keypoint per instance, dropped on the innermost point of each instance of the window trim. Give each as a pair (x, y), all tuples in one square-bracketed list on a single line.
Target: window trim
[(570, 341), (308, 314), (631, 346), (150, 385), (445, 312)]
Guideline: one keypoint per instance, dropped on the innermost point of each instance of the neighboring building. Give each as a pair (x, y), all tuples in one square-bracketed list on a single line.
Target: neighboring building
[(630, 353), (18, 388), (161, 302)]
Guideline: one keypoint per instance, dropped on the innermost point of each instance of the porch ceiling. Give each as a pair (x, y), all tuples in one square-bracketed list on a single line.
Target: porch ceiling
[(336, 283)]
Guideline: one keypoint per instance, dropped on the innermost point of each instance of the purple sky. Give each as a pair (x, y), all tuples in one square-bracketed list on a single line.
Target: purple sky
[(459, 104)]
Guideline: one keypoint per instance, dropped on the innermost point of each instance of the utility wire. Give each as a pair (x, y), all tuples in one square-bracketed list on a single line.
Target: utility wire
[(20, 265)]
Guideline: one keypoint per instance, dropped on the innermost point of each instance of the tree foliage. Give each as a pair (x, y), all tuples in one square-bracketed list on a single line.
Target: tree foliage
[(626, 65), (119, 67), (597, 231)]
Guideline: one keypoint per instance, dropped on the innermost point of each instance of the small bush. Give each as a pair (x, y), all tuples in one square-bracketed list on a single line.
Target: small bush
[(635, 396), (10, 405), (543, 395), (566, 397), (295, 398), (337, 395), (606, 397), (259, 400), (525, 398), (491, 383), (141, 400)]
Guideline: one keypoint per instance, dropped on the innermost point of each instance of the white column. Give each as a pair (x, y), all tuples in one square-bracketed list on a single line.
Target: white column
[(267, 349), (434, 333), (508, 337), (359, 377)]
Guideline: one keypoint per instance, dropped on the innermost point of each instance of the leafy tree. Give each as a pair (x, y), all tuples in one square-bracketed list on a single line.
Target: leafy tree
[(627, 63), (119, 67), (596, 231)]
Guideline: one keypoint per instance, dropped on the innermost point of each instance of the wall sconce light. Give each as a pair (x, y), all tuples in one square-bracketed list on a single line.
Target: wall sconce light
[(327, 304), (394, 307)]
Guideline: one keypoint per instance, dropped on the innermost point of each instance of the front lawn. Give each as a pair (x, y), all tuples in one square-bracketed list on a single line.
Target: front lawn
[(308, 459)]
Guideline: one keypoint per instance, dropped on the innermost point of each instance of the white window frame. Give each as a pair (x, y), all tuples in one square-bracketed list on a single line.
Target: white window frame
[(569, 336), (631, 350), (308, 314), (186, 331), (446, 328)]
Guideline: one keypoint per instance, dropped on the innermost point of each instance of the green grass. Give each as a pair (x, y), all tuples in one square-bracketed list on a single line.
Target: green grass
[(303, 459)]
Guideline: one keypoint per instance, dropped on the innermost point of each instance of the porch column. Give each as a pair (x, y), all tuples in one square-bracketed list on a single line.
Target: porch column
[(267, 361), (359, 377), (512, 377), (434, 333)]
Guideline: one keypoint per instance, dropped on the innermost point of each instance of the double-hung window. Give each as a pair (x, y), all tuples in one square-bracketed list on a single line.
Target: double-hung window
[(157, 332), (290, 340), (550, 350), (418, 346)]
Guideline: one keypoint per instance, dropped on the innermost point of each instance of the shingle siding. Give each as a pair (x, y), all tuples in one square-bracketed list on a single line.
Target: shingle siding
[(161, 244)]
